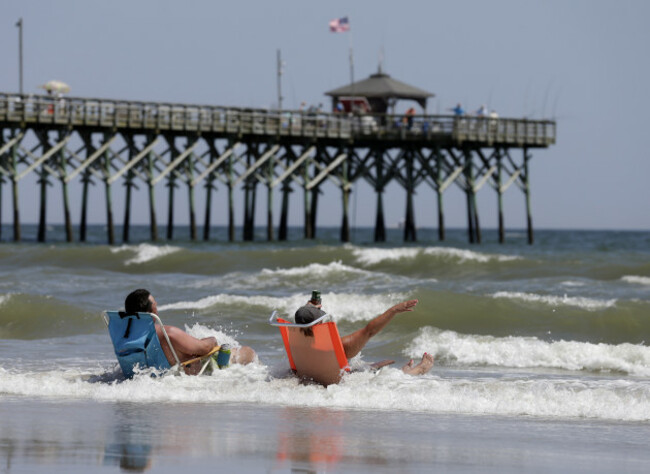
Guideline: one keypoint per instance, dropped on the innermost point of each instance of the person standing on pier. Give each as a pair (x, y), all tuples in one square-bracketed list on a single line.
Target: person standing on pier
[(458, 110)]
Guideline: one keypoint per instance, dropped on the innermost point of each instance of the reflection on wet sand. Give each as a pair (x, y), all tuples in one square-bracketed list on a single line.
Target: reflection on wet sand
[(302, 441), (128, 448)]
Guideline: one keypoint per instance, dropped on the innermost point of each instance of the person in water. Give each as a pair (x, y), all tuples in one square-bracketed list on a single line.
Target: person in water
[(187, 347), (353, 343)]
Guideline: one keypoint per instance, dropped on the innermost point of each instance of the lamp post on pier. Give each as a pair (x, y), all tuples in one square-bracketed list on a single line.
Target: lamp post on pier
[(19, 24)]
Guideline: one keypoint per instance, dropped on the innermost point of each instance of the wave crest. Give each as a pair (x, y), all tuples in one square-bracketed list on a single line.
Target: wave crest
[(640, 280), (145, 252), (551, 300), (530, 352), (373, 256), (350, 307)]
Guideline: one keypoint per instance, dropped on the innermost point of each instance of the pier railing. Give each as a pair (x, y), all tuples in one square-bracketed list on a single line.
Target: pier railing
[(157, 117)]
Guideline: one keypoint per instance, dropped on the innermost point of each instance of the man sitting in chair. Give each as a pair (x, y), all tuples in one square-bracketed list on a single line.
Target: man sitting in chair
[(353, 343), (187, 347)]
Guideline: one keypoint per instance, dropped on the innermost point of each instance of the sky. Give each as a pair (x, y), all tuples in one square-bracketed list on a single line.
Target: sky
[(581, 62)]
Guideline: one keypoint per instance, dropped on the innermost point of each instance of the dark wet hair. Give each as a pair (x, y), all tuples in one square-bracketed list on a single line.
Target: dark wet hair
[(307, 314), (138, 302)]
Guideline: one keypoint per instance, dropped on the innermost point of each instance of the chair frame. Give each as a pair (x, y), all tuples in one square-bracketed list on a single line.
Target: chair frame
[(273, 321)]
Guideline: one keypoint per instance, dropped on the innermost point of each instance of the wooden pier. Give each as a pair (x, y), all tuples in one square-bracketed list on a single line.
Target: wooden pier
[(156, 144)]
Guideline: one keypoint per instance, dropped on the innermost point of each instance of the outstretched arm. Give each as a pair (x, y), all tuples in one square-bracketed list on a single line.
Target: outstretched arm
[(353, 343)]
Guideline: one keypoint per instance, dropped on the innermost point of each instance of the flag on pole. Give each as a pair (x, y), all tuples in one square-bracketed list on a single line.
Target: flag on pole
[(340, 25)]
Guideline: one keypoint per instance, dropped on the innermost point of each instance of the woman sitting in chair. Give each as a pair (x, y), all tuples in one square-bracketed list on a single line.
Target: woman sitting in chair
[(187, 347), (353, 343)]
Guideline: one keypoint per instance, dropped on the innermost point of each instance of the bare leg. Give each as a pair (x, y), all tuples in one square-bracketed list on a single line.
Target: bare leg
[(422, 368), (187, 347)]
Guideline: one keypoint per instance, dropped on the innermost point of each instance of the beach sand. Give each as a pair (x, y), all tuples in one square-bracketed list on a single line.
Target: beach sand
[(88, 436)]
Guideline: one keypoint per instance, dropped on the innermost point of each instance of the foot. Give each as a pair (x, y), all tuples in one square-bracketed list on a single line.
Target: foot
[(422, 368)]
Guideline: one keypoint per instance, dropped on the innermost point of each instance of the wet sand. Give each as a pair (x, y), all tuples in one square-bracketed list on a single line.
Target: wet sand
[(88, 436)]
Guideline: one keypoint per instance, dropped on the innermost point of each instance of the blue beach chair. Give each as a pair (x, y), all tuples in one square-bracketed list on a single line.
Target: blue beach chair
[(136, 343)]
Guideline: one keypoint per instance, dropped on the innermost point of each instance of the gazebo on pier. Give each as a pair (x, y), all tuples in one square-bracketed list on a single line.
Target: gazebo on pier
[(381, 92)]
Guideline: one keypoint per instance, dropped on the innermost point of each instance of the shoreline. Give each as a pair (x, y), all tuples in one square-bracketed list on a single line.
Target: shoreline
[(61, 436)]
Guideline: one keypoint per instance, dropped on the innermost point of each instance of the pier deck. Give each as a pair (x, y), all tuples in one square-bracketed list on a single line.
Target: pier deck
[(146, 141)]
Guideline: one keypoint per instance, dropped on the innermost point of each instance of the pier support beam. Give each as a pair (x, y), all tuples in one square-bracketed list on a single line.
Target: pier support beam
[(209, 187), (250, 189), (284, 214), (250, 201), (308, 234), (345, 195), (499, 185), (189, 171), (231, 210), (526, 182), (380, 225), (128, 184), (439, 191), (379, 185), (14, 188), (247, 205), (410, 234), (153, 221), (44, 183), (314, 210), (269, 199), (171, 186), (109, 201), (10, 169), (472, 219), (86, 181), (62, 164)]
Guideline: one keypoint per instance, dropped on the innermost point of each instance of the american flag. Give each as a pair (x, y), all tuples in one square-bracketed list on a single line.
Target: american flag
[(340, 25)]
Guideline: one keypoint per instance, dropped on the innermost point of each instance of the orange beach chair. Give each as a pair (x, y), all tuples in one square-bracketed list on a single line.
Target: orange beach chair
[(320, 357)]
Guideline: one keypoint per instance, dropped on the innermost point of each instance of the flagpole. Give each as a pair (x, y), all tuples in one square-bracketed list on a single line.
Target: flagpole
[(279, 81), (19, 24), (352, 72), (351, 68)]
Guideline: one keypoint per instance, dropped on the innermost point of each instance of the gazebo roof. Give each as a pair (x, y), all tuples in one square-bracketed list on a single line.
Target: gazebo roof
[(382, 86)]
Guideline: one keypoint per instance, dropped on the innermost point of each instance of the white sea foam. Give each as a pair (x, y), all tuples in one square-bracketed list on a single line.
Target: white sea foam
[(639, 280), (529, 352), (199, 331), (341, 306), (145, 252), (4, 298), (388, 389), (313, 275), (573, 283), (316, 270), (373, 256), (589, 304)]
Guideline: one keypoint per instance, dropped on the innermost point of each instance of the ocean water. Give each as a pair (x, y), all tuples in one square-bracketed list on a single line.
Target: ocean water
[(542, 354)]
